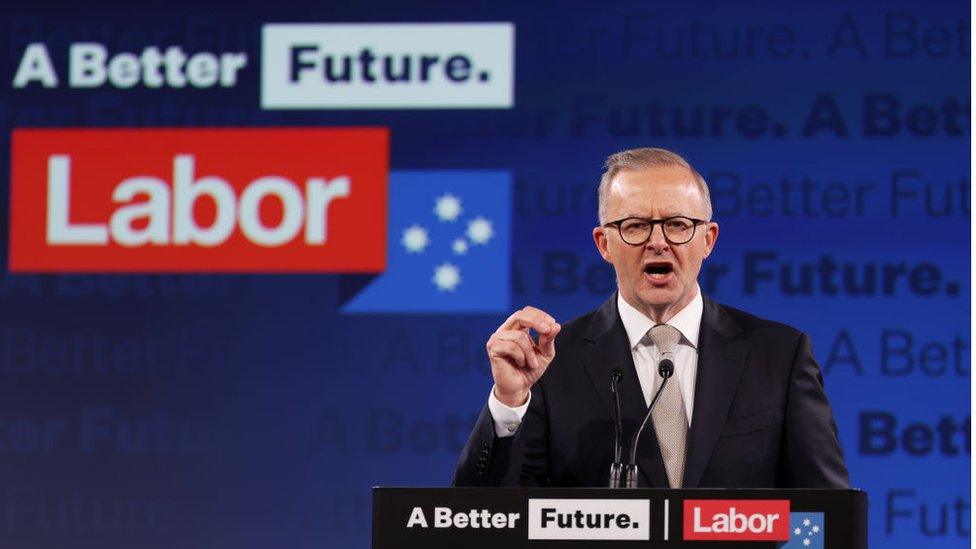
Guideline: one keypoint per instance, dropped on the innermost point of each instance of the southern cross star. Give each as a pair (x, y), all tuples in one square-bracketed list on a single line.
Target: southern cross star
[(448, 207), (415, 239), (460, 246), (480, 230), (446, 277)]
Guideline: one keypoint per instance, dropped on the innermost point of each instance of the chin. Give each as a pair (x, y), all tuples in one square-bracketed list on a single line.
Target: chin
[(657, 297)]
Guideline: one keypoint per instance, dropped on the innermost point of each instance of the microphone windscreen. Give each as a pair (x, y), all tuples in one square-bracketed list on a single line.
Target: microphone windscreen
[(666, 368)]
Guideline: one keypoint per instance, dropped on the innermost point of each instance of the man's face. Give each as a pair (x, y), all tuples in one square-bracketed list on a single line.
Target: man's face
[(658, 278)]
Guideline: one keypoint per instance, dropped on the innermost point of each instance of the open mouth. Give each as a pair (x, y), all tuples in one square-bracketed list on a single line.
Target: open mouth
[(659, 271)]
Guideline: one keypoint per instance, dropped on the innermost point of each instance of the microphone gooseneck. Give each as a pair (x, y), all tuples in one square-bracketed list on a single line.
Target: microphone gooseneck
[(616, 468), (615, 378), (665, 369)]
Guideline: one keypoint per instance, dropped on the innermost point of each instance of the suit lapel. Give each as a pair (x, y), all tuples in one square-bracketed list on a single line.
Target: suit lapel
[(610, 349), (720, 361)]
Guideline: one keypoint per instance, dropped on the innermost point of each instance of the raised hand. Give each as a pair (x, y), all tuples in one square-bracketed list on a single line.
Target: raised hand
[(517, 360)]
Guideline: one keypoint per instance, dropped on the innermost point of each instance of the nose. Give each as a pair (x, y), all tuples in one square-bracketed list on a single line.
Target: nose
[(657, 242)]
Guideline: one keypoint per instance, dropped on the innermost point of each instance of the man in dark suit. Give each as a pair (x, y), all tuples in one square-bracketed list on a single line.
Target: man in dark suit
[(745, 407)]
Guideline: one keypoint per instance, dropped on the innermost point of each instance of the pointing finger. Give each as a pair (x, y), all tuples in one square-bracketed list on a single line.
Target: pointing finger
[(539, 313), (529, 318)]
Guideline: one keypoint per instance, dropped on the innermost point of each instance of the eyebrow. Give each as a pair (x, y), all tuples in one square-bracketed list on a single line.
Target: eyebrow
[(667, 215)]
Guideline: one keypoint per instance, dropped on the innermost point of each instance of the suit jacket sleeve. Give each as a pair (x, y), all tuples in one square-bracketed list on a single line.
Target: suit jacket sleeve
[(521, 459), (814, 458)]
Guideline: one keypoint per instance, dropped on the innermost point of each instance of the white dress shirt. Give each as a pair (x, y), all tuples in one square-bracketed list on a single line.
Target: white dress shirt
[(646, 355), (646, 358)]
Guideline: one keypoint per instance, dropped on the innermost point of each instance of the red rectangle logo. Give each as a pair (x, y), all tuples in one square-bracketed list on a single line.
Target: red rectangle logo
[(199, 200), (737, 519)]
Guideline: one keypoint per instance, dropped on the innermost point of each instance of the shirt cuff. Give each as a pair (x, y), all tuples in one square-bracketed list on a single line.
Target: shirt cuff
[(507, 420)]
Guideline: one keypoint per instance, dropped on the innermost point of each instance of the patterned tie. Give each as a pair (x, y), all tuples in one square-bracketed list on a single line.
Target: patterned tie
[(670, 420)]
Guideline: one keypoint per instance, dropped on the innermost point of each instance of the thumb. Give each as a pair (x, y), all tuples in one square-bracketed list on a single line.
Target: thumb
[(547, 342)]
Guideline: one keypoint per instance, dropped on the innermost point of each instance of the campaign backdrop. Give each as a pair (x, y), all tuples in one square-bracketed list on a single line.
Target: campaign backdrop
[(253, 251)]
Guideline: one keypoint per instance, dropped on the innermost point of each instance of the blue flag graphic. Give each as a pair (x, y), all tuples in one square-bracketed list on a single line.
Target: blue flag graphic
[(448, 245), (806, 531)]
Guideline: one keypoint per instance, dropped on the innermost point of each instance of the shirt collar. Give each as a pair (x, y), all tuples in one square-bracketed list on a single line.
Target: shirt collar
[(687, 320)]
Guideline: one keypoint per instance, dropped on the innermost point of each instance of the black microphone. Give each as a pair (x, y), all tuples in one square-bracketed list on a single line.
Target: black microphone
[(616, 468), (665, 369)]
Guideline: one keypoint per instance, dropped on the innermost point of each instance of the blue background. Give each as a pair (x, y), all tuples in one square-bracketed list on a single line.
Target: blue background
[(249, 412)]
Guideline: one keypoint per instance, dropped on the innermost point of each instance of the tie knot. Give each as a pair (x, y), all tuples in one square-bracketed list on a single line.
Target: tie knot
[(666, 338)]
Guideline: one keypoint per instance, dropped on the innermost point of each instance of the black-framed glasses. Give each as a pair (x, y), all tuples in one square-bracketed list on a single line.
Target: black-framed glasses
[(636, 231)]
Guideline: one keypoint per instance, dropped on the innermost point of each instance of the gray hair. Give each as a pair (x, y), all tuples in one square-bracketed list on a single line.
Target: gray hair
[(643, 158)]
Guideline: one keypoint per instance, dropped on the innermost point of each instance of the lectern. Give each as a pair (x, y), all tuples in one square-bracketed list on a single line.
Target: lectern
[(511, 518)]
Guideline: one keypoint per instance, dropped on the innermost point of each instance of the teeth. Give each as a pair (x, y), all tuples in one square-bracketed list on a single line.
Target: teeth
[(658, 275)]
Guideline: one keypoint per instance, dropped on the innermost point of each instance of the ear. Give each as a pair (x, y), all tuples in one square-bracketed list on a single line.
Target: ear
[(711, 236), (600, 239)]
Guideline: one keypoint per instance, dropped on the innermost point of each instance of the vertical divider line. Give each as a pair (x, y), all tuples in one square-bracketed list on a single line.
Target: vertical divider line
[(667, 519)]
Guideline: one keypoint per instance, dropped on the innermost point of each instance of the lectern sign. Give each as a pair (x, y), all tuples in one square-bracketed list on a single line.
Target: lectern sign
[(568, 518), (737, 519), (589, 519)]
